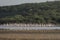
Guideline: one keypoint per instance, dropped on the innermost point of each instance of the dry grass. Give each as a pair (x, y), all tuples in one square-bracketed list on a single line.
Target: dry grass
[(30, 35)]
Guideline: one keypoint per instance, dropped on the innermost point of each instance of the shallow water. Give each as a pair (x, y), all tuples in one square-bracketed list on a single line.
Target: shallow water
[(28, 28)]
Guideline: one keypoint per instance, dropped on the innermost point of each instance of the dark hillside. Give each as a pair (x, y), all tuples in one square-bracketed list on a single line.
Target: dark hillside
[(46, 12)]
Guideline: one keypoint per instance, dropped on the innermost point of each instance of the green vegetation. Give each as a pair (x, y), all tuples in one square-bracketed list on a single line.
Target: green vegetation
[(46, 12)]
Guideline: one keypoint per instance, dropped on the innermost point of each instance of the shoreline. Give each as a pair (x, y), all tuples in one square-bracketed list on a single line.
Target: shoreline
[(30, 25)]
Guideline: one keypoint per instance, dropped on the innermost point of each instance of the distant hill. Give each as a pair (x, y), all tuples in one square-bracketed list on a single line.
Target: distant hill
[(46, 12)]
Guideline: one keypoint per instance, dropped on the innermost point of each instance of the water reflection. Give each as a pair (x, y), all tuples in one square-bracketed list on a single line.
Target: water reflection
[(28, 28)]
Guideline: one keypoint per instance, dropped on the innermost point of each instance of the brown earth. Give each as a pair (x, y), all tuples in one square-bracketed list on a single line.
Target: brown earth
[(30, 35)]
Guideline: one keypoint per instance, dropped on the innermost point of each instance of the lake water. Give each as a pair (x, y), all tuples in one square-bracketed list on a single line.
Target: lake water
[(28, 28)]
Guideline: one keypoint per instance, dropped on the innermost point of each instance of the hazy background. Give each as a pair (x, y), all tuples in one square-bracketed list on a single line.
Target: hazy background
[(15, 2)]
